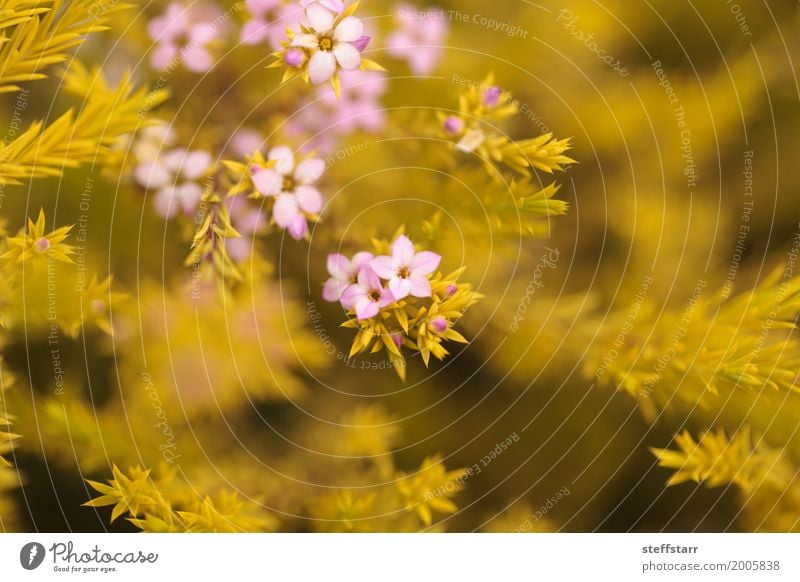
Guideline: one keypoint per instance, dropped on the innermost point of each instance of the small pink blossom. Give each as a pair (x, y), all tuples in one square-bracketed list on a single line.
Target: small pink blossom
[(294, 58), (184, 34), (418, 40), (332, 47), (491, 97), (295, 197), (245, 142), (367, 296), (406, 271), (453, 125), (359, 108), (439, 324), (174, 174), (362, 42), (268, 22), (344, 272)]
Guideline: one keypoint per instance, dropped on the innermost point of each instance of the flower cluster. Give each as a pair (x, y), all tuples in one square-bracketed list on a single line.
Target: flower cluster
[(186, 35), (398, 300), (331, 41), (268, 21), (287, 185), (175, 173), (418, 41)]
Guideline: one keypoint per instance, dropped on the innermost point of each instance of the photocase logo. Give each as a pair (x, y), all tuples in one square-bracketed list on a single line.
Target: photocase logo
[(31, 555)]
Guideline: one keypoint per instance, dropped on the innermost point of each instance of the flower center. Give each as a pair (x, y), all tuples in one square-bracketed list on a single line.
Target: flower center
[(403, 272), (288, 184), (326, 43), (374, 295)]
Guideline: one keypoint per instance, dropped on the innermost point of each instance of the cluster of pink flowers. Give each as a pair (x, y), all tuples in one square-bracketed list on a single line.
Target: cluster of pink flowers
[(366, 283), (173, 172), (268, 22), (186, 35), (327, 117), (291, 186), (331, 44), (418, 40)]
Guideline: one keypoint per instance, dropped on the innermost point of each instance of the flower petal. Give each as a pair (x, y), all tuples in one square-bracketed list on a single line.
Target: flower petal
[(283, 156), (188, 196), (286, 210), (320, 18), (338, 266), (419, 286), (309, 198), (332, 290), (425, 262), (298, 228), (349, 29), (163, 202), (321, 67), (352, 295), (163, 55), (347, 56), (383, 266), (195, 164), (403, 250), (386, 298), (196, 58), (254, 31), (268, 182), (360, 260), (400, 288), (309, 41), (308, 171), (369, 279), (152, 175), (366, 308)]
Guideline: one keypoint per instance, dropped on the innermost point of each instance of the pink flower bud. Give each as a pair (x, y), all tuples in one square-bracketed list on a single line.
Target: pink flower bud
[(438, 324), (361, 43), (491, 97), (453, 125), (451, 290), (41, 245), (294, 58), (397, 338)]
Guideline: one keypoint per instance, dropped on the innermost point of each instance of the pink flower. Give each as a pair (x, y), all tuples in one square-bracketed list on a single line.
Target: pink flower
[(332, 47), (406, 271), (438, 324), (268, 21), (174, 174), (367, 296), (245, 142), (184, 34), (491, 97), (344, 272), (294, 58), (359, 108), (295, 197), (418, 40), (453, 125)]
